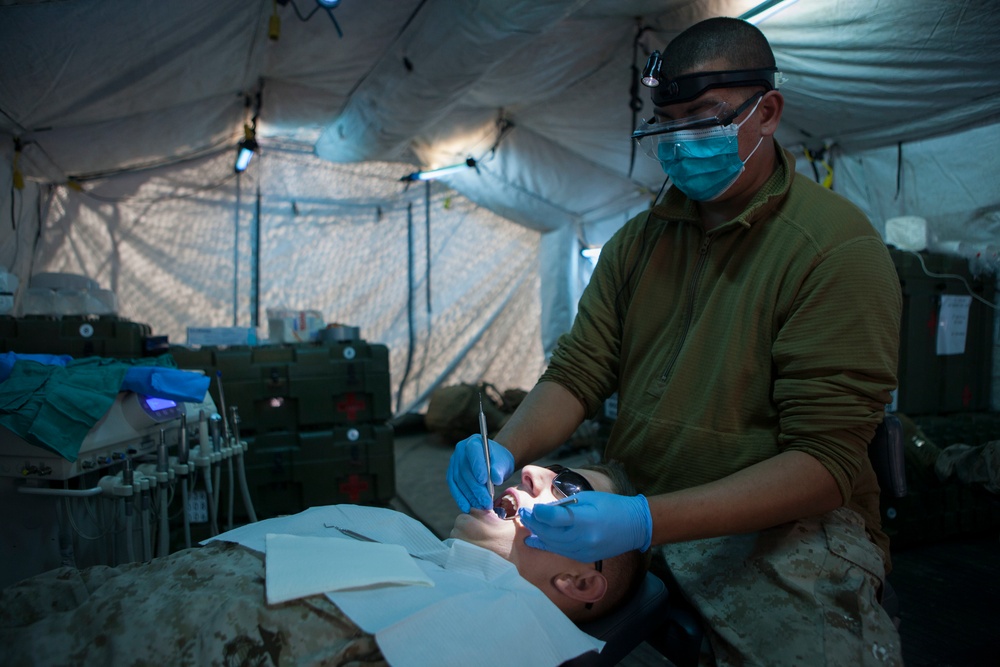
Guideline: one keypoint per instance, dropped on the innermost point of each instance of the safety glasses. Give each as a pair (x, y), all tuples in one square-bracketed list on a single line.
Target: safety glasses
[(651, 132), (567, 483)]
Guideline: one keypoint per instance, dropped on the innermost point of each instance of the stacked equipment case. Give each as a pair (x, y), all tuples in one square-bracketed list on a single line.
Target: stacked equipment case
[(947, 397), (314, 416)]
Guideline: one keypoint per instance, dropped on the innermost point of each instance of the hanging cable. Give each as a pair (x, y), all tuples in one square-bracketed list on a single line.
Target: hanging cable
[(899, 169), (503, 126), (635, 100), (427, 245), (325, 5), (409, 306), (818, 159)]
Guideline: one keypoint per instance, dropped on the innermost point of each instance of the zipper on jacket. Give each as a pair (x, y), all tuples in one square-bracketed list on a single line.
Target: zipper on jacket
[(689, 306)]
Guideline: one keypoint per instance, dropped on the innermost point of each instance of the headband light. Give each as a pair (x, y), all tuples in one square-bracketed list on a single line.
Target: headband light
[(689, 86), (651, 72)]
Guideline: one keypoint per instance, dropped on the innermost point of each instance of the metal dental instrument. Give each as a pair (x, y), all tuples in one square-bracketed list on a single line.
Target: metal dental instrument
[(350, 533), (364, 538), (571, 500), (486, 446)]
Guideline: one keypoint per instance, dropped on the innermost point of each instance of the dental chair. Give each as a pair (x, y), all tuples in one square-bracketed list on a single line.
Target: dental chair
[(679, 636), (628, 627)]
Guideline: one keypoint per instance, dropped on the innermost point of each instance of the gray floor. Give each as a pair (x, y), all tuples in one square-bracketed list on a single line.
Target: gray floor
[(948, 590)]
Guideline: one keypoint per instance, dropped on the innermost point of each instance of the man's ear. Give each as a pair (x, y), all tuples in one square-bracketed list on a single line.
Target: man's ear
[(771, 106), (589, 586)]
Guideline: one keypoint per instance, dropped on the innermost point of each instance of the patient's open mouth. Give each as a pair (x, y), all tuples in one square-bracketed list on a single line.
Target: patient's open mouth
[(506, 507)]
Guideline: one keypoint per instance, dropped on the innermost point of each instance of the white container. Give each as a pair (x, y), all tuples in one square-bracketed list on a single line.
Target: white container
[(907, 232)]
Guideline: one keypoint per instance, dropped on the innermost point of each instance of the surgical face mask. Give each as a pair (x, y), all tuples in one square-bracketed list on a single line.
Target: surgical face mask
[(703, 163)]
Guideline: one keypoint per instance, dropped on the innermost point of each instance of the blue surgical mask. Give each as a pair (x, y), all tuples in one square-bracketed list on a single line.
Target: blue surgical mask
[(704, 163)]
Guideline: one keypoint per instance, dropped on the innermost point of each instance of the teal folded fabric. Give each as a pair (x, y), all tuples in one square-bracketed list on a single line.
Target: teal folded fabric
[(55, 406)]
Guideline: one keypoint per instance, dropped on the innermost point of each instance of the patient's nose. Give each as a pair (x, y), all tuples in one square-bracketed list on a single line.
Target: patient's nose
[(535, 480)]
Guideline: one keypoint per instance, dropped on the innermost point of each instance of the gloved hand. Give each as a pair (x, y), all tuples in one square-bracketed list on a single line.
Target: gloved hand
[(601, 525), (467, 472)]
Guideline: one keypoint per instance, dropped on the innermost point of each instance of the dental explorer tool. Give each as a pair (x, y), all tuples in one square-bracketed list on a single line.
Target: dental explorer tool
[(486, 447)]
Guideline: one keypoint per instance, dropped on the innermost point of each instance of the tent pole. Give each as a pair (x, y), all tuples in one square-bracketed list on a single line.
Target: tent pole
[(236, 252), (255, 266)]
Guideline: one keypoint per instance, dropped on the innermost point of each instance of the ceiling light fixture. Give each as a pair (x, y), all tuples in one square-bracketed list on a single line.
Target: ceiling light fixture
[(765, 10), (245, 149), (430, 175)]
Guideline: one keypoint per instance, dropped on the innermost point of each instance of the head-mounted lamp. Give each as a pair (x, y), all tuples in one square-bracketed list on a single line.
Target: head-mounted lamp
[(689, 86)]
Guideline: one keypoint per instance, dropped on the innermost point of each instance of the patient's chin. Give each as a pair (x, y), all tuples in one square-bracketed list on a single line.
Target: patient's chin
[(486, 530)]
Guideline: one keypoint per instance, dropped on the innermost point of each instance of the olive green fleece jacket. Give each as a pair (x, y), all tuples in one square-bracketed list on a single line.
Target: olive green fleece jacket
[(777, 331)]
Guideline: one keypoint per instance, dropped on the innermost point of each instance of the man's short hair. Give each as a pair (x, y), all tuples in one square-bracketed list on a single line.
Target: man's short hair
[(625, 573), (739, 43)]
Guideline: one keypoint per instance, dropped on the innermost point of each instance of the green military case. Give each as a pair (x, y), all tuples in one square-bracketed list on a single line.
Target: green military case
[(290, 472), (292, 388), (79, 336), (929, 383), (314, 418)]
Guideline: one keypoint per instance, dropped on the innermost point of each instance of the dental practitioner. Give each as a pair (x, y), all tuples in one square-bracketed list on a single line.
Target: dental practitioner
[(749, 324)]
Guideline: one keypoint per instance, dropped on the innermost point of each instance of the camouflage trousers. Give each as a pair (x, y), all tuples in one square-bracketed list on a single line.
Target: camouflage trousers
[(202, 606), (803, 593)]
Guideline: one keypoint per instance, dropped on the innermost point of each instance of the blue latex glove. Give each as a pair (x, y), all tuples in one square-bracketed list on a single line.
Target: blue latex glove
[(601, 525), (169, 383), (467, 472)]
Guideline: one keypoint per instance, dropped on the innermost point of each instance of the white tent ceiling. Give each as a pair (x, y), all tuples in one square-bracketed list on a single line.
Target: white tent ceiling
[(95, 87), (92, 89)]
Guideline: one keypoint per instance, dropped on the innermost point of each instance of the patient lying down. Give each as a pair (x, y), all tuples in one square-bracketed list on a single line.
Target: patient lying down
[(581, 591), (207, 605)]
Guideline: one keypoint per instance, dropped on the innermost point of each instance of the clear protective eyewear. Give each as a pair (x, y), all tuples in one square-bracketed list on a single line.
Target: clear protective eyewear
[(649, 133)]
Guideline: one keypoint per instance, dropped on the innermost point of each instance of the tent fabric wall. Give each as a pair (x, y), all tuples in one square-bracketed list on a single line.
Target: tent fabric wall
[(333, 238), (19, 217), (939, 179)]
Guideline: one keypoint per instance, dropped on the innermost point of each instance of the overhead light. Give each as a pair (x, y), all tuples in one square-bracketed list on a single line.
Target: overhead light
[(591, 254), (441, 171), (329, 4), (765, 10), (245, 149)]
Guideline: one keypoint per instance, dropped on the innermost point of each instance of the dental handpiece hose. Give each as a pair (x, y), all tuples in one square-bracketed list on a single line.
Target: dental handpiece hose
[(162, 466), (486, 446), (182, 458), (240, 468), (222, 404), (212, 479), (128, 479)]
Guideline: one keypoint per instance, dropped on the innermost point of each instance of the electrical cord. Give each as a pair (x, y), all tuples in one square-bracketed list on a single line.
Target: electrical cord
[(951, 275), (329, 11)]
